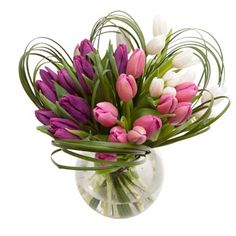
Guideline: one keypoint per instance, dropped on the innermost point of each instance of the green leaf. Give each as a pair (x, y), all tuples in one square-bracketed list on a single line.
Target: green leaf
[(49, 105), (60, 91), (80, 133)]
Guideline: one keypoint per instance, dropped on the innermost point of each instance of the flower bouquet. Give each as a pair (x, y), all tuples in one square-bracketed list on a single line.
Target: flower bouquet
[(111, 110)]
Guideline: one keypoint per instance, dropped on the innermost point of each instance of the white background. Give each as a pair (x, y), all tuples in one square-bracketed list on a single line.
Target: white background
[(199, 191)]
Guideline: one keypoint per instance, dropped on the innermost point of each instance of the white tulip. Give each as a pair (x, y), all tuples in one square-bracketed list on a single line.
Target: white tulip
[(187, 76), (216, 91), (184, 59), (155, 45), (171, 79), (156, 87), (159, 26), (169, 90), (123, 38)]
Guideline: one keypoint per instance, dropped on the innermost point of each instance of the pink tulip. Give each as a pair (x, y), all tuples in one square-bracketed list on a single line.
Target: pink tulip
[(167, 104), (137, 135), (118, 135), (106, 156), (136, 63), (126, 87), (182, 113), (186, 91), (150, 123), (106, 114)]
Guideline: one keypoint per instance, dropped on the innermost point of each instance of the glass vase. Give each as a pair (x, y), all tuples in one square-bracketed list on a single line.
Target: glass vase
[(125, 192)]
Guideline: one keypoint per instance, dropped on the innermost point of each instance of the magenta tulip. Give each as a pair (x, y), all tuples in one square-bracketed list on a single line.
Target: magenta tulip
[(118, 135), (84, 48), (121, 57), (64, 134), (150, 123), (182, 113), (126, 87), (42, 87), (186, 92), (167, 104), (106, 114), (44, 116), (137, 135), (106, 156), (136, 63), (48, 76)]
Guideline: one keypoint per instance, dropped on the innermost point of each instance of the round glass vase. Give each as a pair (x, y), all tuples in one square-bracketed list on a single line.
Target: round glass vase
[(125, 192)]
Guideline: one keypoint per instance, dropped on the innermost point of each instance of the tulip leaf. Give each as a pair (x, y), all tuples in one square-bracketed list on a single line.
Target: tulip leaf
[(44, 129), (49, 105), (60, 91), (89, 82), (80, 133), (144, 111)]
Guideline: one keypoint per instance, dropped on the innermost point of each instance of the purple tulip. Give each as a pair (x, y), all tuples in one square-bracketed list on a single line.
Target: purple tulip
[(46, 91), (66, 81), (182, 113), (106, 114), (85, 47), (83, 67), (167, 104), (121, 57), (150, 123), (77, 107), (106, 156), (118, 135), (64, 134), (44, 116), (61, 123), (48, 76)]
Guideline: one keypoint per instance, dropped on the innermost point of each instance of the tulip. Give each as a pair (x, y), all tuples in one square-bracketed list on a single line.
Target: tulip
[(60, 126), (156, 87), (118, 135), (215, 91), (167, 104), (123, 38), (121, 58), (44, 116), (187, 76), (106, 156), (136, 63), (48, 76), (84, 48), (126, 87), (183, 59), (169, 90), (83, 67), (106, 114), (182, 113), (137, 135), (66, 81), (159, 26), (186, 92), (150, 123), (171, 79), (46, 91), (155, 45), (77, 107)]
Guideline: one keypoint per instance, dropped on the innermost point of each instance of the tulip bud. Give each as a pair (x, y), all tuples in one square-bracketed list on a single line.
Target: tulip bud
[(60, 127), (187, 76), (83, 67), (123, 38), (84, 48), (169, 90), (159, 26), (121, 58), (106, 114), (77, 107), (66, 81), (183, 59), (182, 113), (46, 91), (186, 92), (136, 63), (48, 76), (126, 87), (137, 135), (167, 104), (171, 79), (118, 135), (106, 156), (44, 116), (155, 45), (150, 123), (216, 91), (156, 87)]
